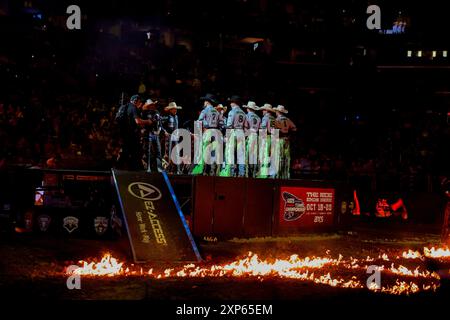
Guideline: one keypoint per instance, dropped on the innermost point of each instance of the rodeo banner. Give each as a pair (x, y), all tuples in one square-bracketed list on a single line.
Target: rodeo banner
[(306, 207)]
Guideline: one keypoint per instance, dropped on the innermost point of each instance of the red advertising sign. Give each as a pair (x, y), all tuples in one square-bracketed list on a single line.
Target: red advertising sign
[(306, 207)]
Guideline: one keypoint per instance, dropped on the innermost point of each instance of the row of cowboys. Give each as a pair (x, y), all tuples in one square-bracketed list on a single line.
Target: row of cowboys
[(263, 156)]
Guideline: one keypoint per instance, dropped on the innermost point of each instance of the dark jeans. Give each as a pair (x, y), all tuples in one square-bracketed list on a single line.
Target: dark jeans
[(152, 151), (174, 168), (129, 157)]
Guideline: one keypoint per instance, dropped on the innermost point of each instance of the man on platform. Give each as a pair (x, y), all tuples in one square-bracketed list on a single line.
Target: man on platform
[(209, 117), (129, 157), (267, 124), (170, 124), (222, 117), (286, 127), (151, 136), (235, 140), (251, 126)]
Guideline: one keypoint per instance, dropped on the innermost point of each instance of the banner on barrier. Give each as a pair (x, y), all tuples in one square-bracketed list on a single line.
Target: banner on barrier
[(306, 207)]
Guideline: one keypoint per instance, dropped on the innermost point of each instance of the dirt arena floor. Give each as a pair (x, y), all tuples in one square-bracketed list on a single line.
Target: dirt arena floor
[(33, 267)]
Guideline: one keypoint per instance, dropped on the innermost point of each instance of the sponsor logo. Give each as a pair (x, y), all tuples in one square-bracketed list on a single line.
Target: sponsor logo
[(149, 193), (210, 239), (29, 220), (155, 223), (144, 191), (294, 207), (44, 222), (70, 223), (101, 225)]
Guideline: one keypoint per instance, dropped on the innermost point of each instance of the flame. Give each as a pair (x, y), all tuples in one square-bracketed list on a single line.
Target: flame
[(108, 266), (402, 270), (437, 253), (319, 270), (411, 254), (402, 287), (384, 257)]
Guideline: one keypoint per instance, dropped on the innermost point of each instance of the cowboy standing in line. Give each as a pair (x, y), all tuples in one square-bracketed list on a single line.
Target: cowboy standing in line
[(235, 121), (150, 135), (286, 127), (209, 118), (222, 118), (170, 125), (222, 127), (267, 124), (251, 125)]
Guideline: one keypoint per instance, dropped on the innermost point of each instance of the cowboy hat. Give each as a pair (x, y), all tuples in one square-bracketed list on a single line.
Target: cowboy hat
[(267, 107), (235, 99), (221, 106), (149, 102), (281, 109), (172, 105), (135, 97), (209, 97), (251, 105)]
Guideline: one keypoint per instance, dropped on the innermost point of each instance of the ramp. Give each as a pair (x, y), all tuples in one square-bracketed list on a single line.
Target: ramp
[(156, 227)]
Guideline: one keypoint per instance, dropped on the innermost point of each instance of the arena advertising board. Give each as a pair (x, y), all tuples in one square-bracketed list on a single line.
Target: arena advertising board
[(155, 224), (306, 207)]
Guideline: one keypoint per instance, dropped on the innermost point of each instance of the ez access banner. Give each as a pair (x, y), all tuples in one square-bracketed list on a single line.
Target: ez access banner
[(306, 207), (155, 224)]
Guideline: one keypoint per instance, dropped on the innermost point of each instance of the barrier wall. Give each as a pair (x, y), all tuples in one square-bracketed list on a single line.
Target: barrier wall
[(242, 207), (213, 206), (70, 203)]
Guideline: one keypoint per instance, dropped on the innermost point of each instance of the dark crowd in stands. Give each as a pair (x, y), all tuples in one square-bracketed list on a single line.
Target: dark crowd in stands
[(80, 132), (61, 91)]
